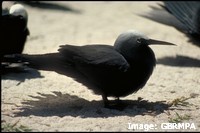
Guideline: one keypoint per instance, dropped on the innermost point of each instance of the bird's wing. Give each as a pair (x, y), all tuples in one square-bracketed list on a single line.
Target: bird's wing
[(159, 15), (187, 12), (101, 64), (183, 15), (103, 56)]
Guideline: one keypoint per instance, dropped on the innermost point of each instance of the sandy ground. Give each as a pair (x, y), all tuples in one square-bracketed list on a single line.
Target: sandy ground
[(47, 101)]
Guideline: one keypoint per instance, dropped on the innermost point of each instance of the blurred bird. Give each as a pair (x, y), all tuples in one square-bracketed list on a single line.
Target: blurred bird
[(183, 15), (14, 32), (115, 71)]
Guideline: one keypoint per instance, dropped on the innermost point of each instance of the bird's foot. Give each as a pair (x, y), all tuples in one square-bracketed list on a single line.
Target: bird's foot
[(115, 104)]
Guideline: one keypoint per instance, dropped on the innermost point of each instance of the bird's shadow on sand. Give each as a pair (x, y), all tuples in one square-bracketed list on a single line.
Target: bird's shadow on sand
[(180, 61), (50, 6), (58, 104), (20, 74)]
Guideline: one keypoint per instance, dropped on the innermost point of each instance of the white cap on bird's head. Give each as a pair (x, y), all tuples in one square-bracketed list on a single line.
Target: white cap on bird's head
[(18, 9)]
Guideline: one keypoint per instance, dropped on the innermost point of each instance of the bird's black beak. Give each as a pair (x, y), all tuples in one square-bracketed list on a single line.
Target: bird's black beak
[(157, 42)]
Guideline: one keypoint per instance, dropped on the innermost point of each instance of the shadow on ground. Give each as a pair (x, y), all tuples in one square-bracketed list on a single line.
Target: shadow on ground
[(58, 104), (20, 73), (50, 6), (179, 61)]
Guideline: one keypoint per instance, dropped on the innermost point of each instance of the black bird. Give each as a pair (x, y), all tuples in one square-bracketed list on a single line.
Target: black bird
[(14, 30), (183, 15), (115, 71)]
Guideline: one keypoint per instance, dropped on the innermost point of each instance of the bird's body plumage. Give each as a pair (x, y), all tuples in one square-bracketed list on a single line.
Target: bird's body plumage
[(101, 65), (14, 34), (107, 68)]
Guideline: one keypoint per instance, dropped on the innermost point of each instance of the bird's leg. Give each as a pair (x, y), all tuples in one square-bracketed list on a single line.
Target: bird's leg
[(105, 100), (118, 105), (118, 101)]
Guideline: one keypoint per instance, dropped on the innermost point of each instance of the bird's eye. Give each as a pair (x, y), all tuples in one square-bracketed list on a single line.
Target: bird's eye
[(139, 40)]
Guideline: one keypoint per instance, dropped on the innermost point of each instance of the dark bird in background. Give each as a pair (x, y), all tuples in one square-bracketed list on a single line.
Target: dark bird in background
[(14, 30), (183, 15), (115, 71)]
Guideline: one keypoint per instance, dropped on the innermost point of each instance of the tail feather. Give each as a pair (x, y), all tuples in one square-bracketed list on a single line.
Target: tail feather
[(48, 62), (40, 61)]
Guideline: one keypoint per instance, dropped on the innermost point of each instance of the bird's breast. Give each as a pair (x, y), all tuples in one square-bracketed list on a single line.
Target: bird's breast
[(136, 77)]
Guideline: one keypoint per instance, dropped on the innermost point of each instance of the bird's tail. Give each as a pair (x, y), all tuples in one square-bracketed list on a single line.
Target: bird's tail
[(48, 62), (40, 61)]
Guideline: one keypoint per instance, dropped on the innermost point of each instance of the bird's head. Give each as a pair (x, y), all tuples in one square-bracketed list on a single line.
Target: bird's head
[(19, 10), (132, 39)]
